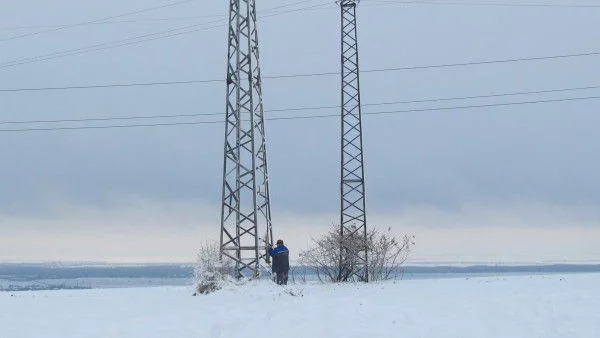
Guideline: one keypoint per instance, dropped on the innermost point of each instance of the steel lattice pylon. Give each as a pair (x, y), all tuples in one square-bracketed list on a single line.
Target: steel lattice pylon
[(353, 226), (246, 211)]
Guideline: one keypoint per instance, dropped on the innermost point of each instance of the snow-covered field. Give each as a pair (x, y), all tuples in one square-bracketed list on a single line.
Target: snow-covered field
[(505, 307)]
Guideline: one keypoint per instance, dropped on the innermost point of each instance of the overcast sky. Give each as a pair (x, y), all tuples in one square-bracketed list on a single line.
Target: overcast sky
[(494, 184)]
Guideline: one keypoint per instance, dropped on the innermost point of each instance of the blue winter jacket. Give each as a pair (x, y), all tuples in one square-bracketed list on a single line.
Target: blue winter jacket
[(281, 258)]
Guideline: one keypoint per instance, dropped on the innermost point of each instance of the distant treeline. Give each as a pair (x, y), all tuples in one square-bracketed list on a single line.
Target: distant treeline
[(29, 272), (554, 268), (44, 287), (482, 269), (26, 272)]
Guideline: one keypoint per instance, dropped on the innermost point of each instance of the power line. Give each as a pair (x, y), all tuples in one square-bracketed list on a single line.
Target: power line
[(545, 91), (149, 20), (291, 4), (456, 98), (286, 76), (112, 126), (150, 37), (115, 118), (114, 85), (107, 45), (474, 63), (307, 117), (191, 29), (474, 3), (172, 4), (490, 105), (138, 39), (447, 65), (368, 3)]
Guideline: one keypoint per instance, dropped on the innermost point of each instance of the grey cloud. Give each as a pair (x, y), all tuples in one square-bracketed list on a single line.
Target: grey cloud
[(538, 152)]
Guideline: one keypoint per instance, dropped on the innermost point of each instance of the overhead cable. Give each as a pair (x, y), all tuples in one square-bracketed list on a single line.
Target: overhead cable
[(324, 107), (303, 75), (58, 28), (306, 117)]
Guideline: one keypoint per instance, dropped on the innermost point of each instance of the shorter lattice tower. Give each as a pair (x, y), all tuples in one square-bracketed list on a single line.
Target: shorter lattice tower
[(353, 220)]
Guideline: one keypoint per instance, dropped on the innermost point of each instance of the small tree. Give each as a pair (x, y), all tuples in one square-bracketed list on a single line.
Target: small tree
[(211, 272), (334, 258)]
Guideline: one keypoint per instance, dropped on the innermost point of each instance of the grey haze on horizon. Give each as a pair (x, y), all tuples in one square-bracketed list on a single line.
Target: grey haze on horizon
[(465, 173)]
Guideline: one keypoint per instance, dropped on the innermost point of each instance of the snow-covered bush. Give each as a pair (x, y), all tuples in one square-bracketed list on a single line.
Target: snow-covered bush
[(334, 258), (212, 272)]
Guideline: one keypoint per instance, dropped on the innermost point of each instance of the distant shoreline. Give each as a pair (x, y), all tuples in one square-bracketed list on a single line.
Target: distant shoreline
[(24, 272), (410, 262), (37, 277)]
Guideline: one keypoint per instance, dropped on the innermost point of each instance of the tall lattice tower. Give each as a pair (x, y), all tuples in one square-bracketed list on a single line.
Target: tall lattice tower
[(353, 220), (246, 212)]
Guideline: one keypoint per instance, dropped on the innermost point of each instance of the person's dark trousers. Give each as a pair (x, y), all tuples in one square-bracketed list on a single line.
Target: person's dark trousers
[(282, 278)]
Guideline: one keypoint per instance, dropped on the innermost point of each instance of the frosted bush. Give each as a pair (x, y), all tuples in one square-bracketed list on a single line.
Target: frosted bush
[(334, 258), (211, 273)]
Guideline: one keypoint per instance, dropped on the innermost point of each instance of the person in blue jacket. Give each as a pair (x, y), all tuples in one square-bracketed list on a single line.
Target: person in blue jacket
[(281, 262)]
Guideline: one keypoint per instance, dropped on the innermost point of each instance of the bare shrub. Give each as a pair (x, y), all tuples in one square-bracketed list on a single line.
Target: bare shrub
[(324, 257), (333, 258), (387, 253), (211, 272)]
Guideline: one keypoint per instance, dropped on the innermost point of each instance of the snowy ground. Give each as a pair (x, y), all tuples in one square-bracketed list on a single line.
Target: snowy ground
[(504, 307)]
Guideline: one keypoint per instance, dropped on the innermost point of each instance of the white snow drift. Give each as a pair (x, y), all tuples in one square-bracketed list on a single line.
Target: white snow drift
[(491, 307)]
